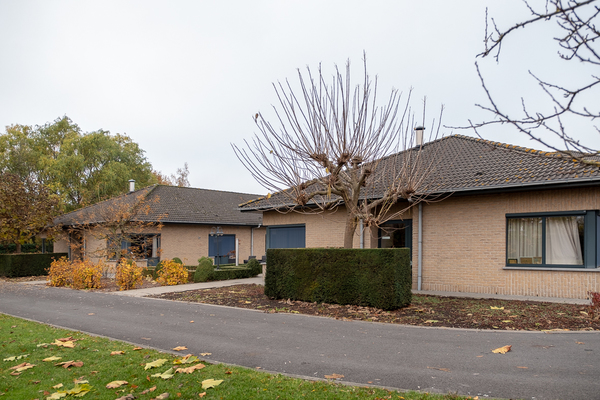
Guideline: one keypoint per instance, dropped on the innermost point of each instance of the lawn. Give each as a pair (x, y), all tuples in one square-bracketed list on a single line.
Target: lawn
[(43, 362)]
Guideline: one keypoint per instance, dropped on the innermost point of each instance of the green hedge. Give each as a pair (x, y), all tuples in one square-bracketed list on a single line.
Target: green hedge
[(225, 272), (380, 278), (16, 265), (26, 248)]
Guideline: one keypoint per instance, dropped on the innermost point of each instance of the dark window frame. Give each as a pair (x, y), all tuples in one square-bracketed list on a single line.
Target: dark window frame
[(590, 239), (126, 244), (275, 227)]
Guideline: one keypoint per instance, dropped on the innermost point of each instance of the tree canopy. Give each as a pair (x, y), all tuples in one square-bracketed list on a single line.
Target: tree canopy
[(81, 168), (26, 207)]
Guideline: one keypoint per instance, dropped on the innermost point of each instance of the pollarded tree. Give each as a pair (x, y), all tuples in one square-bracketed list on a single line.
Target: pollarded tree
[(26, 207), (333, 145), (579, 42)]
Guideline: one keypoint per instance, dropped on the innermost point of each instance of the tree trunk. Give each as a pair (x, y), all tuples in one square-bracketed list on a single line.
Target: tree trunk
[(18, 250), (349, 231)]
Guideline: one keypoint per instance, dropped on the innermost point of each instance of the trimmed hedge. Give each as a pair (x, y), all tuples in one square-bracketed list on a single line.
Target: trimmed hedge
[(380, 278), (26, 248), (17, 265), (224, 273)]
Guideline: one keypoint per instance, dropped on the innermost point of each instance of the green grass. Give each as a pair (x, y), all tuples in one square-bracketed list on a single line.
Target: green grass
[(25, 338)]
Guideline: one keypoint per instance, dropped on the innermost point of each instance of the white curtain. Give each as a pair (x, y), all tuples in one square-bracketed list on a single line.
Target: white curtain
[(524, 239), (562, 241)]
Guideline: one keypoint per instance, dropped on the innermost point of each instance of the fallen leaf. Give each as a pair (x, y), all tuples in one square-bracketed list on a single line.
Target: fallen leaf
[(161, 397), (502, 350), (205, 354), (15, 358), (60, 343), (155, 364), (53, 358), (334, 376), (56, 396), (22, 367), (152, 389), (68, 364), (188, 359), (179, 348), (202, 394), (579, 342), (137, 348), (211, 383), (440, 369), (189, 370), (508, 320), (44, 344), (496, 308), (117, 352), (91, 313), (168, 374), (431, 321), (128, 397), (191, 322), (67, 339), (116, 384), (523, 367), (57, 386), (479, 356)]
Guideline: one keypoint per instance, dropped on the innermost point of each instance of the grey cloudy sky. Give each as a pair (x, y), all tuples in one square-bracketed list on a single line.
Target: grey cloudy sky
[(185, 78)]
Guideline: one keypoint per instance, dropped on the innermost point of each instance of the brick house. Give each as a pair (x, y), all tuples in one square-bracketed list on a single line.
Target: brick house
[(163, 222), (510, 220)]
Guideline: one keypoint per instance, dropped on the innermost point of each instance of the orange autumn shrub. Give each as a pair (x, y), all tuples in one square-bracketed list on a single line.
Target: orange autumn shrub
[(60, 272), (128, 275), (172, 273), (86, 274)]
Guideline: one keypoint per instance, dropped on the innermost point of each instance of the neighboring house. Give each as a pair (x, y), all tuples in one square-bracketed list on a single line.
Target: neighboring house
[(163, 222), (507, 220)]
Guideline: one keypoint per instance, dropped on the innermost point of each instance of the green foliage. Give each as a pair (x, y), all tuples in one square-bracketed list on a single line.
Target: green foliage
[(177, 260), (204, 270), (205, 258), (26, 248), (233, 272), (255, 266), (26, 207), (82, 168), (378, 278), (16, 265)]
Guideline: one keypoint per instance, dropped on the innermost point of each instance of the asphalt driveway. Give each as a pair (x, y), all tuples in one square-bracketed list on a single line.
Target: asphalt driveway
[(560, 365)]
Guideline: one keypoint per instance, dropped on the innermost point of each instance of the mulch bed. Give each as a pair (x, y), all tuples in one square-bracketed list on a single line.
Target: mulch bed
[(451, 312)]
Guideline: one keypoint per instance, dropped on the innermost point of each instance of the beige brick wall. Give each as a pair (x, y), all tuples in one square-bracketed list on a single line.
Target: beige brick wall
[(464, 245), (188, 242)]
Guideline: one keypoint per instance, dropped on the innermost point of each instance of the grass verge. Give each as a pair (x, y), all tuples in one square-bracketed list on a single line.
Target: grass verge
[(95, 362)]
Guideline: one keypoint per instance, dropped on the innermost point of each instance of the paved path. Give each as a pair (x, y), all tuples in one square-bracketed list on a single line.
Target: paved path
[(540, 366)]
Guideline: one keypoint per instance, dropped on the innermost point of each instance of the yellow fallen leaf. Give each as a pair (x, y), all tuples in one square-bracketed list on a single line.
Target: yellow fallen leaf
[(117, 352), (15, 358), (496, 308), (579, 342), (507, 320), (56, 396), (168, 374), (205, 354), (502, 350), (189, 370), (68, 364), (53, 358), (22, 367), (211, 383), (57, 386), (116, 384), (60, 343), (191, 322), (155, 364), (188, 359), (431, 321), (136, 348), (334, 376), (179, 348)]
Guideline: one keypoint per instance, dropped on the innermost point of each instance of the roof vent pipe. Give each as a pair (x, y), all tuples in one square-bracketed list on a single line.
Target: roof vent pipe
[(131, 185), (419, 135)]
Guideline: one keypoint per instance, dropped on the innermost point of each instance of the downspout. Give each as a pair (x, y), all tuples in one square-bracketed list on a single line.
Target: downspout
[(420, 256), (362, 234)]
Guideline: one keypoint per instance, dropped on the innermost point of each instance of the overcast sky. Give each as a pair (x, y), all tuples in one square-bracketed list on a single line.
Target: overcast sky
[(185, 78)]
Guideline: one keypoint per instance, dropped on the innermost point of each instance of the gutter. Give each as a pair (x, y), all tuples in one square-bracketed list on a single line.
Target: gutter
[(420, 255)]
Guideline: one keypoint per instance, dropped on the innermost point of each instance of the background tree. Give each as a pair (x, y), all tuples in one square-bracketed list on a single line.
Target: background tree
[(26, 207), (328, 148), (179, 179), (579, 42), (82, 168)]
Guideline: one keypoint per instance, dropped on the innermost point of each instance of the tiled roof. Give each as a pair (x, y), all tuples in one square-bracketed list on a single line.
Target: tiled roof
[(466, 164), (171, 204)]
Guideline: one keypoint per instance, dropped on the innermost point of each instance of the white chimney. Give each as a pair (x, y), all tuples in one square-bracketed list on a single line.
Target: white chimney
[(419, 135), (131, 185)]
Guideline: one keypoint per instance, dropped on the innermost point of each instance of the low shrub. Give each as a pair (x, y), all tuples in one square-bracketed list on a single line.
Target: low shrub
[(86, 274), (128, 274), (204, 270), (171, 273), (177, 260), (595, 305), (60, 272), (16, 265)]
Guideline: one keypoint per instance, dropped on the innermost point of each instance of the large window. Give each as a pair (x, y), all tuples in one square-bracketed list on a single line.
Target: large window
[(286, 237), (222, 248), (395, 234), (139, 246), (551, 239)]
